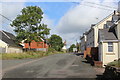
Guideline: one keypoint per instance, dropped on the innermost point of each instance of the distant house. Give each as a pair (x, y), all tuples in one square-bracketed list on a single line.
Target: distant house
[(39, 46), (64, 48), (7, 43), (83, 43)]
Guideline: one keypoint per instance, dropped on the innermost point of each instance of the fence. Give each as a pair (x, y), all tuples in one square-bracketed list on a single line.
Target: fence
[(2, 50)]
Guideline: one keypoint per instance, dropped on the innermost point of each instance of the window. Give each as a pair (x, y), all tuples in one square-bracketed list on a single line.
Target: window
[(110, 47)]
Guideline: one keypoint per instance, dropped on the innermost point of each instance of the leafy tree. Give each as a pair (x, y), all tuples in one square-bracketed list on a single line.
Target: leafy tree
[(71, 47), (28, 25), (78, 46), (56, 42)]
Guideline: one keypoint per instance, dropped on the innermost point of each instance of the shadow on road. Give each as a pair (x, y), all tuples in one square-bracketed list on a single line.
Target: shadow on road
[(86, 62), (100, 77)]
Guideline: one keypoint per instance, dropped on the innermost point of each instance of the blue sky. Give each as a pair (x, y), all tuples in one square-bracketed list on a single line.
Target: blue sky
[(67, 19), (54, 10)]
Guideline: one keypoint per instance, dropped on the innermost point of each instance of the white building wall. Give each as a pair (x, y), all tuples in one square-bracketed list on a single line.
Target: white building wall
[(92, 36), (100, 26), (2, 44), (14, 50), (118, 35), (108, 57), (9, 49)]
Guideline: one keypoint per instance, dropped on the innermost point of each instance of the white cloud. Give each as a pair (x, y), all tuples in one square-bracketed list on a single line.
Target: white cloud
[(50, 23), (10, 10), (78, 19)]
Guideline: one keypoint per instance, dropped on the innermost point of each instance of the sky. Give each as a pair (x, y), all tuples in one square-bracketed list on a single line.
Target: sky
[(66, 18)]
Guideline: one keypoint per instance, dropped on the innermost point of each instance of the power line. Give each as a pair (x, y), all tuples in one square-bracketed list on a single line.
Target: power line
[(98, 7), (5, 23), (102, 5), (6, 17)]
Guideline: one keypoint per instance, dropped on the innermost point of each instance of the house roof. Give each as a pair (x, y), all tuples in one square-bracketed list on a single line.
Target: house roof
[(10, 35), (106, 34), (8, 38)]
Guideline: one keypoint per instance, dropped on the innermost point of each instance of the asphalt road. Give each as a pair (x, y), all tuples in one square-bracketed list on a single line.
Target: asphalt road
[(54, 66)]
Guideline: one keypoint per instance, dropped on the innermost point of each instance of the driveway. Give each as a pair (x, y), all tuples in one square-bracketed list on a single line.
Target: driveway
[(54, 66)]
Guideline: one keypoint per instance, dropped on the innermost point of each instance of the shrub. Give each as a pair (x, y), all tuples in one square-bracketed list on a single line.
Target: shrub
[(114, 63), (51, 50)]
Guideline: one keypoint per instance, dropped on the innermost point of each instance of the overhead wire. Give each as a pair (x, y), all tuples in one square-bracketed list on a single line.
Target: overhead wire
[(100, 6), (6, 17)]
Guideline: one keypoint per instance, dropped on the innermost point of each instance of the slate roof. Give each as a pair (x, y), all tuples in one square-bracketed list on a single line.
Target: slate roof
[(8, 38), (10, 35), (106, 34)]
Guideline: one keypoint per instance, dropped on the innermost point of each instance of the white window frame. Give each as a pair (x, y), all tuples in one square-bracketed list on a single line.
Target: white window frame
[(110, 44)]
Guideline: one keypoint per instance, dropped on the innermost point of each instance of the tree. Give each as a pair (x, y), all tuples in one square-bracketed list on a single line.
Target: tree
[(71, 47), (56, 42), (28, 25), (78, 46)]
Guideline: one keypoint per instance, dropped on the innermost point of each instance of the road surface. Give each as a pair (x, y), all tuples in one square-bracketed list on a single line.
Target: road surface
[(54, 66)]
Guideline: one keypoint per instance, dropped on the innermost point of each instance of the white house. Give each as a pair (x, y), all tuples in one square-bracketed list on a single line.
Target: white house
[(7, 43), (90, 45), (64, 48), (108, 46), (92, 34), (109, 41), (106, 36)]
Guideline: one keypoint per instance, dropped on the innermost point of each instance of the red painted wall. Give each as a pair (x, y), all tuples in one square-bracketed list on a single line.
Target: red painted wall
[(35, 45)]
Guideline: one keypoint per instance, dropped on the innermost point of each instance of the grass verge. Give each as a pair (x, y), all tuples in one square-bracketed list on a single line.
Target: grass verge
[(30, 54)]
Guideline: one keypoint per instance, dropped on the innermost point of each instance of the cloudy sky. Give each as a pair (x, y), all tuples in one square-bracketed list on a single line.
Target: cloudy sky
[(67, 18)]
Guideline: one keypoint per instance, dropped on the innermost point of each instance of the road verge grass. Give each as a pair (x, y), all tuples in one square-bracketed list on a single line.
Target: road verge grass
[(29, 54)]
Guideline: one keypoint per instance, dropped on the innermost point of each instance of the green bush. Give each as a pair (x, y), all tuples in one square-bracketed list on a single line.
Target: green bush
[(114, 63), (51, 50)]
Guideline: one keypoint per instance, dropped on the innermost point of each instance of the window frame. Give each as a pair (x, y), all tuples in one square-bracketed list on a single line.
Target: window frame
[(110, 47)]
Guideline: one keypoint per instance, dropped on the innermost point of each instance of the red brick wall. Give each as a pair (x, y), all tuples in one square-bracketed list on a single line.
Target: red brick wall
[(85, 54), (35, 45), (91, 52), (98, 63)]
